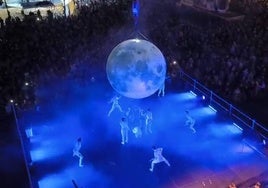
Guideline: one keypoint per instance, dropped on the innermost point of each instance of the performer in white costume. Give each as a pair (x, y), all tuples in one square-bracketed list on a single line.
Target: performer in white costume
[(124, 130), (190, 121), (115, 104), (148, 121), (158, 158), (161, 91), (76, 151), (138, 121)]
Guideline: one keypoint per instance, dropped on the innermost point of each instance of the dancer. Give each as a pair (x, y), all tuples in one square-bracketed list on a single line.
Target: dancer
[(76, 151), (115, 104), (161, 91), (158, 158), (124, 130), (129, 115), (141, 117), (148, 121), (190, 121), (138, 121)]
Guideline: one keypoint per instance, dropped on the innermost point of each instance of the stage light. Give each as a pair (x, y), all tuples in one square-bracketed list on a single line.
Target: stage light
[(212, 108), (237, 126), (193, 93), (137, 40), (203, 97), (26, 83), (11, 100), (174, 62)]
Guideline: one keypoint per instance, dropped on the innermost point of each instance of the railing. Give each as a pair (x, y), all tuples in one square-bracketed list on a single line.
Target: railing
[(20, 134), (218, 102)]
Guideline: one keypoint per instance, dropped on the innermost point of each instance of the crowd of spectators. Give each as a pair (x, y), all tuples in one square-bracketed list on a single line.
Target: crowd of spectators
[(229, 57), (51, 46)]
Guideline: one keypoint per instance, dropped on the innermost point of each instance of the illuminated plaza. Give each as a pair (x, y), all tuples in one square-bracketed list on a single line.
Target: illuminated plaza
[(83, 105)]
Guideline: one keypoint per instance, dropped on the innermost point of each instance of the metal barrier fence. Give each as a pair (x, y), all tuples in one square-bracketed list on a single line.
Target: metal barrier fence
[(20, 131), (218, 102)]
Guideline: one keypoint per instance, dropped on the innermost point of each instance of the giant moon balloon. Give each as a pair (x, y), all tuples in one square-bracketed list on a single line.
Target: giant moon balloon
[(136, 68)]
